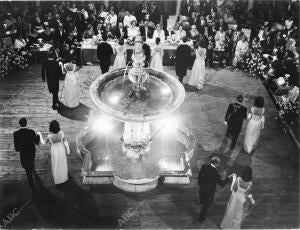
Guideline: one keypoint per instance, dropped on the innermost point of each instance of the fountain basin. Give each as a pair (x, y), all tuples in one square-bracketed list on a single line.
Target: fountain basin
[(105, 163), (164, 95)]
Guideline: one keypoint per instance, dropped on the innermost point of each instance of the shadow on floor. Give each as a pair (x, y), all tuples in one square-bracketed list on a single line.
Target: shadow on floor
[(79, 113)]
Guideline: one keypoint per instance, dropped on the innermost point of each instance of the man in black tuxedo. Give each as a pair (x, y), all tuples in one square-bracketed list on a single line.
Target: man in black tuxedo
[(183, 58), (104, 52), (147, 52), (121, 31), (208, 179), (234, 117), (24, 142), (146, 30), (186, 8), (51, 71), (60, 35)]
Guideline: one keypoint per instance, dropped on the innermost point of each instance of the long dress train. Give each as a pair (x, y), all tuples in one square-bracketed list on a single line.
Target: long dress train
[(235, 211), (59, 165), (197, 78), (120, 60), (71, 89), (156, 61), (254, 127)]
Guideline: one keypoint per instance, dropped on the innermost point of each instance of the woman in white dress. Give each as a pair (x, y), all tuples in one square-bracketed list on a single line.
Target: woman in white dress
[(197, 78), (237, 208), (242, 48), (159, 33), (133, 30), (180, 33), (71, 89), (157, 54), (255, 125), (120, 51), (59, 149)]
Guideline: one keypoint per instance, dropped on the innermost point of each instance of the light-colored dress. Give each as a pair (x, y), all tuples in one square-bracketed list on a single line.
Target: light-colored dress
[(254, 127), (241, 50), (235, 211), (197, 78), (59, 165), (71, 89), (120, 60), (159, 34), (156, 61)]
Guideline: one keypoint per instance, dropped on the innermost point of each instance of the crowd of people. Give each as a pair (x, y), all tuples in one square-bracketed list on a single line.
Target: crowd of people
[(222, 27), (262, 41)]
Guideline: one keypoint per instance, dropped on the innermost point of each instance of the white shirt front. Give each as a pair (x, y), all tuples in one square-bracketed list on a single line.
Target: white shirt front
[(133, 31), (112, 19), (160, 34), (128, 19)]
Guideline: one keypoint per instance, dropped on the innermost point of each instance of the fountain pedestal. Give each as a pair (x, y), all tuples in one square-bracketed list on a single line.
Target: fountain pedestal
[(136, 139)]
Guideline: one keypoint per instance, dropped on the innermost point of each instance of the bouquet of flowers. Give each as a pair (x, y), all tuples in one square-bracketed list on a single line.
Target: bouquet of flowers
[(288, 112), (254, 65), (18, 62), (5, 58), (130, 41)]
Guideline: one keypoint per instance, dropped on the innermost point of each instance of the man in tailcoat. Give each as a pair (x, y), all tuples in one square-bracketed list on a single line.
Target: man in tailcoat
[(147, 52), (234, 117), (24, 142), (183, 58), (104, 52), (51, 71), (208, 178)]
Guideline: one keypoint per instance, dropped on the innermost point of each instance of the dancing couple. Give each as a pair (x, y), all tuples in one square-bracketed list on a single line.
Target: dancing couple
[(51, 70), (183, 58), (241, 200), (25, 140), (234, 117)]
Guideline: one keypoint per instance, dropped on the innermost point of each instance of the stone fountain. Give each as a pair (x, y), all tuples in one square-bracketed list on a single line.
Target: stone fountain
[(135, 141)]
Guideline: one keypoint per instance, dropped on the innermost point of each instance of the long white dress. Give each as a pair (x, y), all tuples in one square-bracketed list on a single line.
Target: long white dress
[(120, 60), (254, 127), (59, 165), (235, 211), (197, 78), (156, 61), (71, 89)]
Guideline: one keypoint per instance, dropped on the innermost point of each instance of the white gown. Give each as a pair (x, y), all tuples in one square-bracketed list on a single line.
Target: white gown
[(235, 211), (59, 165), (156, 61), (197, 78), (120, 60), (254, 127), (71, 89)]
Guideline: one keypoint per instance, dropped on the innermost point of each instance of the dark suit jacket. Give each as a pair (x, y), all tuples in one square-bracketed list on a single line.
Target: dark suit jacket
[(183, 58), (118, 33), (186, 9), (147, 52), (235, 115), (51, 71), (143, 31), (104, 52), (208, 178), (24, 142), (61, 38), (211, 31)]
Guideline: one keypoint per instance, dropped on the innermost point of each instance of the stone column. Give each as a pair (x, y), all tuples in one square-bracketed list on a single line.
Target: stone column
[(106, 2), (178, 7)]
